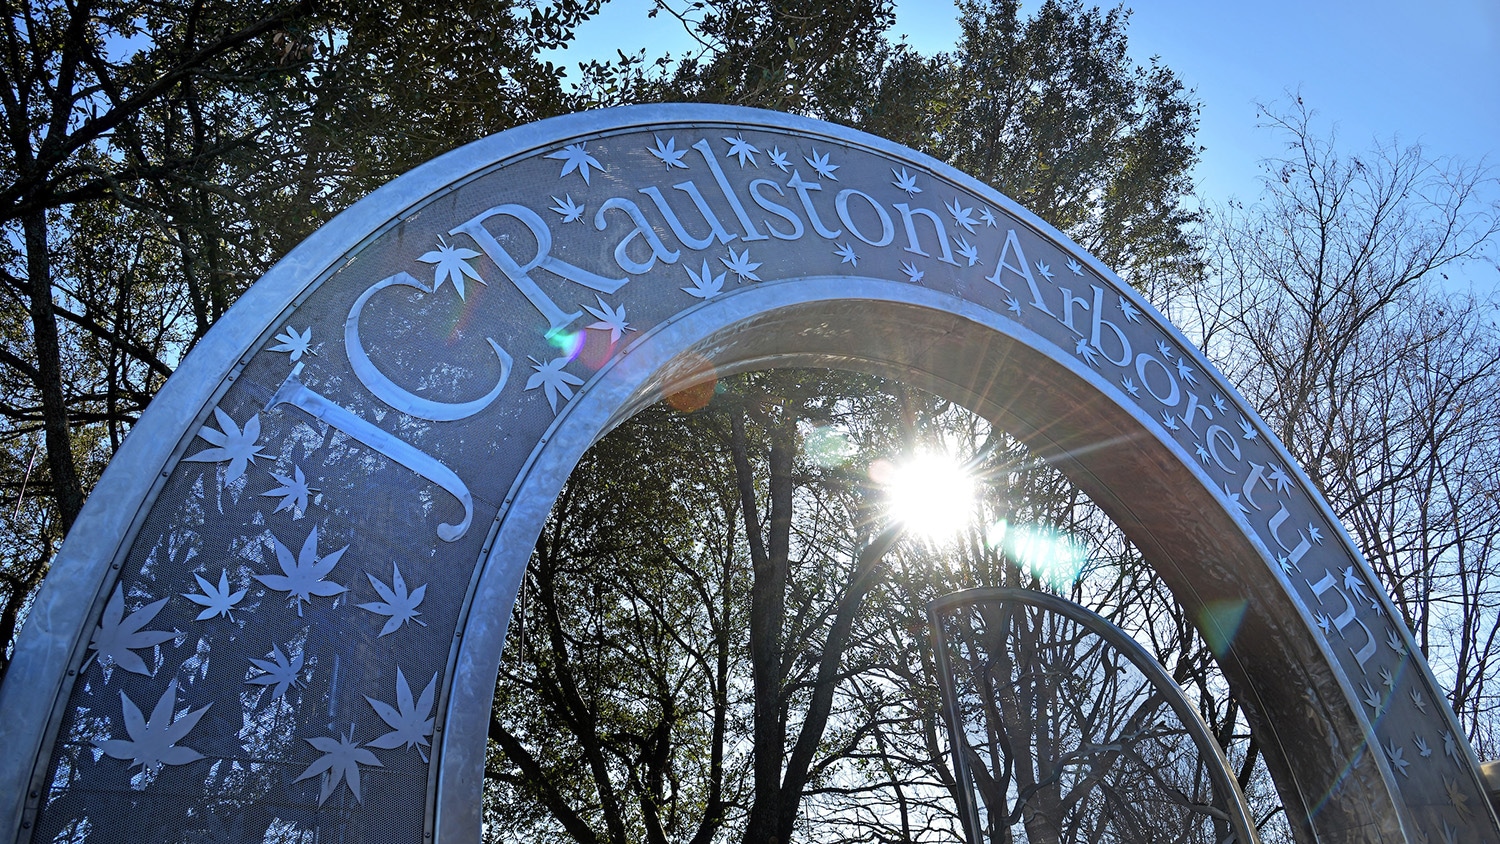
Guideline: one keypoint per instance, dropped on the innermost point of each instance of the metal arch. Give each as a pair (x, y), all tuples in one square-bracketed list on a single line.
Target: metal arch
[(1225, 784), (948, 333)]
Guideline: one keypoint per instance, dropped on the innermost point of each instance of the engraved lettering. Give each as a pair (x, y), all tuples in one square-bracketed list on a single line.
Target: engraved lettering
[(1012, 244), (913, 244), (389, 391), (801, 187), (715, 228), (887, 229), (707, 151), (1218, 435), (1173, 395), (294, 393), (519, 274), (659, 250), (779, 210), (1100, 323)]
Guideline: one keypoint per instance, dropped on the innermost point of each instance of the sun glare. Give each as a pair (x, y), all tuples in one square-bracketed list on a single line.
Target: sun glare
[(932, 495)]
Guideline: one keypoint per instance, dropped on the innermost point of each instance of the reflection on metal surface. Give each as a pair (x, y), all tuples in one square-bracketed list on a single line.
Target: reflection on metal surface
[(1068, 732)]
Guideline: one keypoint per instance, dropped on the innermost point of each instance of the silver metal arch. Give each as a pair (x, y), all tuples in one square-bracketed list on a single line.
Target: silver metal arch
[(1339, 762)]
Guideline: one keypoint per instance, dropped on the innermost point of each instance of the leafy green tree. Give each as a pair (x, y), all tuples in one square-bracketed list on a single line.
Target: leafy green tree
[(1052, 111), (159, 157)]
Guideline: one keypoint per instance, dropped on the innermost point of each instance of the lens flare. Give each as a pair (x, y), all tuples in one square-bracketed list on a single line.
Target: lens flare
[(569, 343), (1042, 552), (825, 445), (931, 494)]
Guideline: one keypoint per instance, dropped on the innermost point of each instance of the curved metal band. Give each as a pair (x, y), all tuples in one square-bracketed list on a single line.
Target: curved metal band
[(1224, 782)]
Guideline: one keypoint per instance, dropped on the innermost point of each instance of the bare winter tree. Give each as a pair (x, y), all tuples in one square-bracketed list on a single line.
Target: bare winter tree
[(1329, 304)]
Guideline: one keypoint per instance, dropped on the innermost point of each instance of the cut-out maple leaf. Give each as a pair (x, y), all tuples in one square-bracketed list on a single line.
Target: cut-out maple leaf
[(302, 578), (740, 264), (293, 492), (576, 157), (820, 164), (570, 211), (341, 759), (294, 343), (1185, 372), (278, 671), (452, 265), (410, 722), (742, 149), (117, 633), (153, 743), (399, 604), (230, 443), (705, 285), (961, 215), (668, 153), (609, 319), (967, 250), (1396, 753), (215, 601), (905, 181), (553, 379)]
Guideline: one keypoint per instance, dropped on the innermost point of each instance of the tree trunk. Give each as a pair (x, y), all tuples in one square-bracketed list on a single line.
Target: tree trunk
[(66, 487)]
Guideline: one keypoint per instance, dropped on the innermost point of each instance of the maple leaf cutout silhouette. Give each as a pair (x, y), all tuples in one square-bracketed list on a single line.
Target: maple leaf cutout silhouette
[(410, 723), (230, 443), (153, 743), (667, 153), (118, 635), (302, 578), (576, 157), (553, 380), (294, 343), (609, 319), (215, 601), (820, 164), (399, 604), (571, 211), (279, 672), (293, 492), (705, 285), (452, 266), (742, 150), (340, 761), (741, 265)]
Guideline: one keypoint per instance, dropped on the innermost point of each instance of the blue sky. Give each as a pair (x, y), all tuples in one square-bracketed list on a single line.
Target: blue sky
[(1371, 69)]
